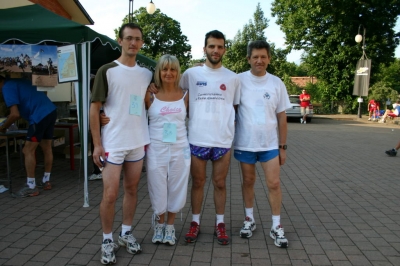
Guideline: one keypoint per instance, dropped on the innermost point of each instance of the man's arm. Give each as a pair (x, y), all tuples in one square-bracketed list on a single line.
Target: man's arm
[(14, 116), (282, 135), (95, 130)]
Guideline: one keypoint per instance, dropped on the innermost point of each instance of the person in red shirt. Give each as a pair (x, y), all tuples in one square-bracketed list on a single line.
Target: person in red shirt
[(304, 106), (372, 108)]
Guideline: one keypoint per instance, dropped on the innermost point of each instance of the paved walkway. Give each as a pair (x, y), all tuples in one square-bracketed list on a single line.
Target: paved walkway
[(340, 207)]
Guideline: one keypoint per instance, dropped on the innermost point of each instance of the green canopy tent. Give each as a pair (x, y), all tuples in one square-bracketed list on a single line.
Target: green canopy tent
[(34, 24)]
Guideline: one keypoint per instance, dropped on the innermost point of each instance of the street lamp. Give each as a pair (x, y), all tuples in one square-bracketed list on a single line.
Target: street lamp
[(362, 70), (151, 8)]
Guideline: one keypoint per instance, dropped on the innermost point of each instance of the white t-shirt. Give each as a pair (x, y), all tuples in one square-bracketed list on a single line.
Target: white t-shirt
[(261, 99), (120, 87), (212, 94)]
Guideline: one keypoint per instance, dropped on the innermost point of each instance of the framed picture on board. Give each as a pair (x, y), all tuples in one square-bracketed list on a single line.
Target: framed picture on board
[(67, 64)]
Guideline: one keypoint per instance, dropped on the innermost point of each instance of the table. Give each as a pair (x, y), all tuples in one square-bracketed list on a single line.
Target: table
[(70, 127), (11, 135)]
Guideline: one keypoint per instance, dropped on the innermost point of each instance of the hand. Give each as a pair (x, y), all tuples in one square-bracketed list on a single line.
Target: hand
[(152, 88), (282, 156), (97, 152), (104, 120)]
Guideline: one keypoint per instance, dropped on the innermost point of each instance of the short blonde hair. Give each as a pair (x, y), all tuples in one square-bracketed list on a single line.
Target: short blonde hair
[(167, 60)]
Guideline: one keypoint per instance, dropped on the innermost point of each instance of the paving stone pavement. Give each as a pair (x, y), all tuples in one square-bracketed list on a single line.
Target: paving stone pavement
[(340, 207)]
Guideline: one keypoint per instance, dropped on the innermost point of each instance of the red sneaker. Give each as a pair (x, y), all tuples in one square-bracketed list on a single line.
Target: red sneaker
[(194, 231), (220, 233)]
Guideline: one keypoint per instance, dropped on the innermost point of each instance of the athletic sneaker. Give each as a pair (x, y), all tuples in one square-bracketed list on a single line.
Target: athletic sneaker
[(305, 122), (46, 185), (27, 192), (194, 231), (279, 236), (369, 119), (391, 152), (169, 236), (248, 227), (129, 241), (220, 233), (95, 177), (107, 252), (301, 120), (158, 233)]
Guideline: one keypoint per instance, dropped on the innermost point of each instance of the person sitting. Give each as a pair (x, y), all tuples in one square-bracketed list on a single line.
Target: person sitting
[(391, 113), (373, 106)]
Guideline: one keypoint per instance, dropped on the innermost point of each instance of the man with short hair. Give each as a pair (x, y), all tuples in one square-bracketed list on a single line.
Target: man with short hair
[(304, 106), (261, 131), (25, 101), (213, 92), (120, 87)]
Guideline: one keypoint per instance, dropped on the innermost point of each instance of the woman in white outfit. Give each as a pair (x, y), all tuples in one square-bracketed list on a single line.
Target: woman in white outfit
[(168, 154)]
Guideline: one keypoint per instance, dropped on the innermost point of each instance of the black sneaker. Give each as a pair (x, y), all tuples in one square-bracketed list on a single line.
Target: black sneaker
[(391, 152), (26, 191)]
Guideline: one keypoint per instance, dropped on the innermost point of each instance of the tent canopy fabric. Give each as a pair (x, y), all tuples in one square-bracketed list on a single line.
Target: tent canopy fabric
[(34, 24)]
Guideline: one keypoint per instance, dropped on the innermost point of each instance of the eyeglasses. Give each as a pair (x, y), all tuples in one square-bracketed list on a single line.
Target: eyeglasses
[(130, 38)]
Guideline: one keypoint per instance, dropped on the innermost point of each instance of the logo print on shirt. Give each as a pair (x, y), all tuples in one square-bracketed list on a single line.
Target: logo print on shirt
[(166, 110), (201, 83), (266, 96), (222, 87)]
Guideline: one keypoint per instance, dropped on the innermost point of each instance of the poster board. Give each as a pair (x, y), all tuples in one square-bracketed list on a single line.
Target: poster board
[(67, 64)]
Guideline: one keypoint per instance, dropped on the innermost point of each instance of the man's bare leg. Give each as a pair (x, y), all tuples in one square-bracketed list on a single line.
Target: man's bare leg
[(272, 178), (198, 172), (249, 179), (219, 173), (132, 172)]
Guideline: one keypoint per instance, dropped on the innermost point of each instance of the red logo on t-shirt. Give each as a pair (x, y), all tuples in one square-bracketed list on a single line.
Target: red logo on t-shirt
[(222, 87)]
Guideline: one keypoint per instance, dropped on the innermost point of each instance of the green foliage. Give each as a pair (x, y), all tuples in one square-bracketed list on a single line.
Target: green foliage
[(162, 35), (235, 56), (381, 91), (325, 30), (390, 74)]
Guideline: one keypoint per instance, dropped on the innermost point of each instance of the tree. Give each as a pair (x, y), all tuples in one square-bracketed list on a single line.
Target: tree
[(325, 30), (235, 56), (162, 35), (390, 74)]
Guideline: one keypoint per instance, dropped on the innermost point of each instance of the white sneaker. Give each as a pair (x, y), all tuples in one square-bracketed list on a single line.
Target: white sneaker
[(279, 236), (169, 235), (129, 241), (107, 252), (301, 120), (369, 119), (305, 122), (158, 234), (248, 227), (95, 177)]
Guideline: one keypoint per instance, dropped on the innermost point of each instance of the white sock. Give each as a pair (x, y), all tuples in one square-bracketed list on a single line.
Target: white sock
[(196, 218), (31, 182), (276, 220), (220, 218), (125, 228), (108, 236), (46, 177), (249, 213), (169, 226)]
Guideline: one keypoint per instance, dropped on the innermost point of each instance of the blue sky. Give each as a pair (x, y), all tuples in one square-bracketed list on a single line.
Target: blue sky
[(196, 17)]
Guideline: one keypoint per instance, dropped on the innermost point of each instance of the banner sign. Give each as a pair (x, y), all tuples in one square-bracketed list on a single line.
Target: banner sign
[(361, 77)]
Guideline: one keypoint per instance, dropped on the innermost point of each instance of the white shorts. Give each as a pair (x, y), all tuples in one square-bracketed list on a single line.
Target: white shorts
[(168, 168), (119, 157), (305, 110)]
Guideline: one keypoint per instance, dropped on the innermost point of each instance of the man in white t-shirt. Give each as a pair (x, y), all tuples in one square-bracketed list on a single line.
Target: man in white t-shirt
[(261, 130), (213, 92), (120, 87)]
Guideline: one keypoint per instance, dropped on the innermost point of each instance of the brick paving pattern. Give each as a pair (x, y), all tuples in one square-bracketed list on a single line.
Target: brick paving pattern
[(341, 206)]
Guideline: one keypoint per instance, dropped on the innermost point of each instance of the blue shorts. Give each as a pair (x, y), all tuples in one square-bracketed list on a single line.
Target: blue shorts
[(206, 154), (252, 157), (44, 129)]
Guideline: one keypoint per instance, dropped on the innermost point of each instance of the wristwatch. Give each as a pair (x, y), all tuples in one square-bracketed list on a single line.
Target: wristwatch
[(283, 147)]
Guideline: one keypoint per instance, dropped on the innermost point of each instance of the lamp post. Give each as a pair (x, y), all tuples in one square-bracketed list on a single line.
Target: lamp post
[(151, 8), (358, 39)]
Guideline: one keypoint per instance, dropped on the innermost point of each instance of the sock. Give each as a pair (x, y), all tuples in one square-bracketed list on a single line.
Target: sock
[(125, 228), (31, 182), (220, 218), (169, 226), (108, 236), (276, 220), (196, 218), (46, 177), (249, 213)]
